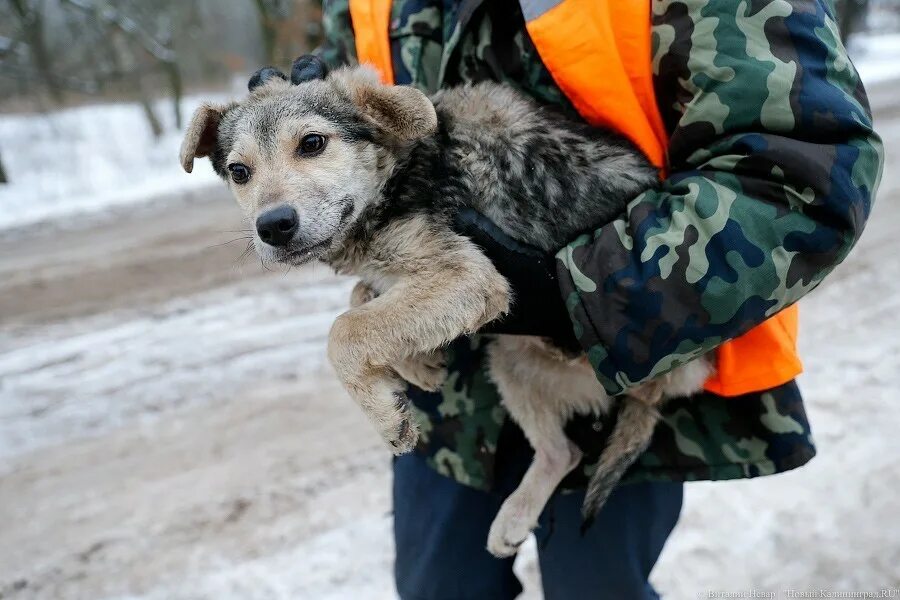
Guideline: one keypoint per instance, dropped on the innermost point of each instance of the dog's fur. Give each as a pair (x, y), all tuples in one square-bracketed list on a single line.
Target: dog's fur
[(378, 202)]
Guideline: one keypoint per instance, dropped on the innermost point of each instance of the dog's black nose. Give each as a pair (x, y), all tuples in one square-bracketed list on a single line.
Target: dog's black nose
[(277, 226)]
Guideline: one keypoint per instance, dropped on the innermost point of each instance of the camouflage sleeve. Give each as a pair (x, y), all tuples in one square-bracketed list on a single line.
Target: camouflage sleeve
[(338, 46), (773, 165)]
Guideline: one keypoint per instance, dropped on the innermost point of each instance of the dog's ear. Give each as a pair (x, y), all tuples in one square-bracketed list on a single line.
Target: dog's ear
[(200, 138), (400, 111)]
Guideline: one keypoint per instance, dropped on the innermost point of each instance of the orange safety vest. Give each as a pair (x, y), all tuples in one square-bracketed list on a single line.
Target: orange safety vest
[(598, 52)]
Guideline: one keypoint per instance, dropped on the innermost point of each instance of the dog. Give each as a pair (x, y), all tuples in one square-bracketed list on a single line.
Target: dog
[(366, 177)]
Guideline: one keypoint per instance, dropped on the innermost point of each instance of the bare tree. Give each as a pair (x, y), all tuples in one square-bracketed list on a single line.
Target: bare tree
[(851, 15), (118, 49), (3, 178), (31, 21), (158, 49), (270, 14)]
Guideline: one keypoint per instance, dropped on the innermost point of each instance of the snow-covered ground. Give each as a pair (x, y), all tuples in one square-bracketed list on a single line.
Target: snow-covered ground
[(876, 57), (82, 161), (169, 430), (177, 355)]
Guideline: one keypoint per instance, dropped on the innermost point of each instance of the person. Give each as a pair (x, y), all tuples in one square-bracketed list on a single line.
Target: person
[(771, 167)]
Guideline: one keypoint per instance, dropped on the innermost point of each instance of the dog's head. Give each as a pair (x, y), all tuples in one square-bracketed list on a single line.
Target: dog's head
[(304, 159)]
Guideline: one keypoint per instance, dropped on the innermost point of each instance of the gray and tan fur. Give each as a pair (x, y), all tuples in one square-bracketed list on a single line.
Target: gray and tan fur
[(377, 202)]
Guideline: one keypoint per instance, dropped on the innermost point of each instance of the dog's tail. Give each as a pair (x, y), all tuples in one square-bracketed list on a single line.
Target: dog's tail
[(628, 440)]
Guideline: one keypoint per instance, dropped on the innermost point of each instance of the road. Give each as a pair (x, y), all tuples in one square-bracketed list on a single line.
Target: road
[(169, 428)]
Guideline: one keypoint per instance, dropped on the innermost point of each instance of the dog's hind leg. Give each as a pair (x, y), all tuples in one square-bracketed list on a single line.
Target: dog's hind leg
[(441, 287), (541, 389), (554, 457)]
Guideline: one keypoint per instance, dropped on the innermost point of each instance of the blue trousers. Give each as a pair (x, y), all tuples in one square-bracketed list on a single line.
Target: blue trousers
[(441, 527)]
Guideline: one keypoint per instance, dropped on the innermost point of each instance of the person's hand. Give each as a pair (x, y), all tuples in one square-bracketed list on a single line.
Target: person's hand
[(305, 68), (537, 308)]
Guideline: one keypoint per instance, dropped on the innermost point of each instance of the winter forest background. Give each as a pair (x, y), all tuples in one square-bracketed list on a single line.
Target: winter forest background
[(57, 53), (147, 62), (65, 52)]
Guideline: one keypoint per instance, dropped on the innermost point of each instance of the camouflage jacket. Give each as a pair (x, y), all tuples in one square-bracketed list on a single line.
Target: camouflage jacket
[(773, 168)]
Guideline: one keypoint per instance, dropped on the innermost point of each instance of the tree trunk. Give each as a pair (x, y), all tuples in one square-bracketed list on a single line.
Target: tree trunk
[(174, 74), (33, 30), (3, 178), (159, 51), (851, 17), (267, 30), (147, 106)]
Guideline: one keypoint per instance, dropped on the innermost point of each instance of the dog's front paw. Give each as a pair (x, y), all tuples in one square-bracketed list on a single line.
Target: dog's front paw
[(362, 293), (401, 432), (427, 371), (510, 528)]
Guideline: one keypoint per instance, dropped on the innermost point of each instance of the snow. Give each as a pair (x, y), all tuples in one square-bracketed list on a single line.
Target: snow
[(82, 161), (305, 571), (184, 352), (876, 57)]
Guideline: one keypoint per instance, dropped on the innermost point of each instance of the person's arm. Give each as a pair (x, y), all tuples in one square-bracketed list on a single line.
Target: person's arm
[(338, 46), (773, 164)]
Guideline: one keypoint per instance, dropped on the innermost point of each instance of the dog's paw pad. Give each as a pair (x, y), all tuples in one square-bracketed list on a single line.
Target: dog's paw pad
[(511, 526), (503, 548), (406, 437), (403, 435), (401, 400)]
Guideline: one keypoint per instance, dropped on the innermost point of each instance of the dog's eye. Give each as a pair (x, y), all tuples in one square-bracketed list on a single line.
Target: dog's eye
[(311, 144), (239, 173)]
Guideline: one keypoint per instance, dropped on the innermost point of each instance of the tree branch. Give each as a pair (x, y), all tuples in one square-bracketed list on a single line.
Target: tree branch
[(128, 26)]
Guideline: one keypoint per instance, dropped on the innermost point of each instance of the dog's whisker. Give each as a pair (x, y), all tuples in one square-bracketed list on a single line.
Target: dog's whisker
[(244, 255), (264, 265), (229, 242)]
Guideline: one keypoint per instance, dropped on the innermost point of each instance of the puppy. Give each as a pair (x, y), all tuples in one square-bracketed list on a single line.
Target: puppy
[(367, 177)]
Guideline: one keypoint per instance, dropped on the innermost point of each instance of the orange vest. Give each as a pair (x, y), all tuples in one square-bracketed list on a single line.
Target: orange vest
[(598, 52)]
